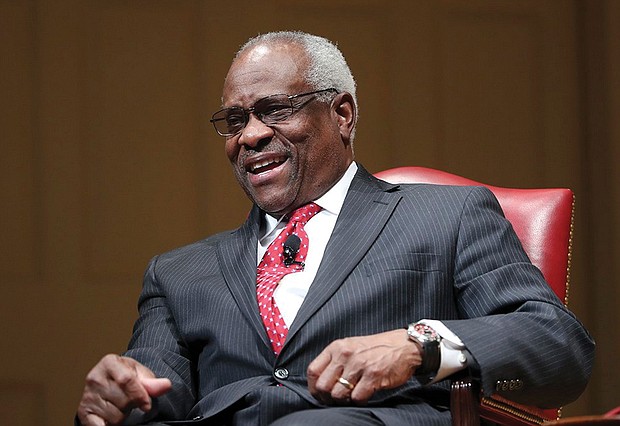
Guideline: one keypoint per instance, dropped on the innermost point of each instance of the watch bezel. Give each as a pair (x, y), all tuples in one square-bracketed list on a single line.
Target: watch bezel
[(423, 333)]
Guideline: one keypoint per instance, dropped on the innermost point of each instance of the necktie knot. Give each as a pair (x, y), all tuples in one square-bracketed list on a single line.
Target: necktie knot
[(304, 213)]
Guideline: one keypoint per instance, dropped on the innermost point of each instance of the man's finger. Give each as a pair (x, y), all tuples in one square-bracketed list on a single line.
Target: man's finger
[(93, 420), (156, 387), (316, 368), (102, 413), (364, 390)]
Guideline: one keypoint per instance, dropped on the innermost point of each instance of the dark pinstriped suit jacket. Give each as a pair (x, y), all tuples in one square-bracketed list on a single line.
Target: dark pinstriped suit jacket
[(398, 253)]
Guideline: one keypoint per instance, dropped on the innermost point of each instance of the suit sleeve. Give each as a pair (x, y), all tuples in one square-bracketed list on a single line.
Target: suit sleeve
[(157, 344), (516, 328)]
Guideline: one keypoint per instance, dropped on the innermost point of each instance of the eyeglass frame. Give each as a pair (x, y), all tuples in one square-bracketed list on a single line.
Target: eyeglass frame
[(260, 116)]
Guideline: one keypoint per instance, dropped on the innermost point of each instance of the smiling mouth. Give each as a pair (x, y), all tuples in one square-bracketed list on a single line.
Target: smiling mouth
[(265, 165)]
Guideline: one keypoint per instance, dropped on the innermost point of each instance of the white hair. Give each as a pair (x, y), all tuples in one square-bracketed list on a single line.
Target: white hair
[(327, 67)]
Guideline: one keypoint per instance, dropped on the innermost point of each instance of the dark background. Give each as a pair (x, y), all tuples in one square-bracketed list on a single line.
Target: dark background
[(108, 157)]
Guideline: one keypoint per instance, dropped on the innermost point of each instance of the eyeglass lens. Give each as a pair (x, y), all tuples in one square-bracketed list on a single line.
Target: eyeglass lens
[(269, 110)]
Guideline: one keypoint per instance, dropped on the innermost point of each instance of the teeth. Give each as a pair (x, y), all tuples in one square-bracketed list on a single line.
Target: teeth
[(261, 164), (265, 163)]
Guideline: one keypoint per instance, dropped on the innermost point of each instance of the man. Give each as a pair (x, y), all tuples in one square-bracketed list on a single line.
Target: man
[(364, 265)]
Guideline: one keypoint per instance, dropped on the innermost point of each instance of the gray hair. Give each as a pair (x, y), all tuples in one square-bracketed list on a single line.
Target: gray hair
[(327, 67)]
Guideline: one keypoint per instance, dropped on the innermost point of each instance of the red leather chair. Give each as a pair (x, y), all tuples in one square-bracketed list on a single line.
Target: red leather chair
[(542, 219)]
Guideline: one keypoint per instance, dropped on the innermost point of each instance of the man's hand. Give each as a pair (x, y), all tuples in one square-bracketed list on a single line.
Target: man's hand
[(116, 385), (368, 363)]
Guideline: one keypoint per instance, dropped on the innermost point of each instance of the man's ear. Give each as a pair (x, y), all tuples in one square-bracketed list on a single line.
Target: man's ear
[(346, 111)]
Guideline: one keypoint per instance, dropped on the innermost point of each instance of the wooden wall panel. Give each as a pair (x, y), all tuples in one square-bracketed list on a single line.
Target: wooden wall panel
[(141, 132), (21, 403), (21, 213), (610, 306), (602, 150), (489, 95), (19, 173), (498, 68)]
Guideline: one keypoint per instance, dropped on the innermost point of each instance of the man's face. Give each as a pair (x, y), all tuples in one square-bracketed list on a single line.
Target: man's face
[(292, 162)]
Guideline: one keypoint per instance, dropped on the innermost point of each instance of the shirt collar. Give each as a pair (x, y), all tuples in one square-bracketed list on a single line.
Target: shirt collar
[(330, 202)]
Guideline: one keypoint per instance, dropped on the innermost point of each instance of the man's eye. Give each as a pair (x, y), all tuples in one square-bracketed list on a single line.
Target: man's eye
[(234, 120), (276, 112)]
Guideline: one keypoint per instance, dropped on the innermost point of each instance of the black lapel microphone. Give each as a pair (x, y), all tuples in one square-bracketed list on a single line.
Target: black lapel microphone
[(291, 248)]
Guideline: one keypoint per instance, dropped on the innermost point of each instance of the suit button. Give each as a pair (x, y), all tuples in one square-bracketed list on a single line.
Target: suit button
[(281, 373)]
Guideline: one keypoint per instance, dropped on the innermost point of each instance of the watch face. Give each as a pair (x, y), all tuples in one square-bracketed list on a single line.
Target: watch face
[(424, 333)]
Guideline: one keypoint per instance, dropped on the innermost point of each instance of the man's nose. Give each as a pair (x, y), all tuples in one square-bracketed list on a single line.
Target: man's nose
[(254, 132)]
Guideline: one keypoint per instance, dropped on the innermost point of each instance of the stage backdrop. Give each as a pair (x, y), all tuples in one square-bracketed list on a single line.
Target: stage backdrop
[(108, 156)]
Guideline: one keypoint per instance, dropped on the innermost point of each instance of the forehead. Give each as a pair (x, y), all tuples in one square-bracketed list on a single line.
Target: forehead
[(265, 70)]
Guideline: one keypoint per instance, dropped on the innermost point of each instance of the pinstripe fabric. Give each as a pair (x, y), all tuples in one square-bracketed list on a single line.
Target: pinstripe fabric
[(398, 253)]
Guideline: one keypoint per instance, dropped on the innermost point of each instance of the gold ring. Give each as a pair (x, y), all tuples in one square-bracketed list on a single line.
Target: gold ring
[(347, 384)]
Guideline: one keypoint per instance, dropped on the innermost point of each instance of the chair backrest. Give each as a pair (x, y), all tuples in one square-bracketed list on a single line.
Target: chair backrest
[(542, 219)]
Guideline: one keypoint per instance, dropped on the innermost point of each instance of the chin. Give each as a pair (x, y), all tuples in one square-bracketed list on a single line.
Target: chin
[(275, 207), (265, 199)]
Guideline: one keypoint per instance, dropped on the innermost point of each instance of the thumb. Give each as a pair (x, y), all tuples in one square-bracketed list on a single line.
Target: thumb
[(156, 387)]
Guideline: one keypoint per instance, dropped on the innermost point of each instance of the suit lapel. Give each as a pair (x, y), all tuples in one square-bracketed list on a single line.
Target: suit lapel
[(237, 257), (367, 208)]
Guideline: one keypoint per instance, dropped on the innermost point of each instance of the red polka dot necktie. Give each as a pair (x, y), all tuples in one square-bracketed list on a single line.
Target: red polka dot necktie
[(273, 267)]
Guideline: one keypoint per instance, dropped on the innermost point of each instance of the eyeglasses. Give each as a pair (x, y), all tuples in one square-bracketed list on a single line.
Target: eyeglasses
[(270, 110)]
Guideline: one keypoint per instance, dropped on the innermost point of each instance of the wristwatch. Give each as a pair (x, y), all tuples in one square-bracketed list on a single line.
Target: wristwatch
[(429, 340)]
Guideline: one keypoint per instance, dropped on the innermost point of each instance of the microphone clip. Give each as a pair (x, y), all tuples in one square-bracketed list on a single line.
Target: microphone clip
[(291, 248)]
